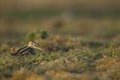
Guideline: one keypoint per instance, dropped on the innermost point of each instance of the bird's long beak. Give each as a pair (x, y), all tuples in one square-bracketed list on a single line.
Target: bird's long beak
[(40, 49)]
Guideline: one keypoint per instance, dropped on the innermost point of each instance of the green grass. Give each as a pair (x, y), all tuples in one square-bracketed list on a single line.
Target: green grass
[(81, 40), (42, 13), (73, 58), (79, 49)]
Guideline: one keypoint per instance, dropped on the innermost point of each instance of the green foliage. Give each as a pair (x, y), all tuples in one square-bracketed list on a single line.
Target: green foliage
[(35, 35), (66, 58), (93, 44), (44, 34)]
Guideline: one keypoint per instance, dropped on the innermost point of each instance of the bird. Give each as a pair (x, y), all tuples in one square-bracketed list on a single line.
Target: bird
[(30, 48)]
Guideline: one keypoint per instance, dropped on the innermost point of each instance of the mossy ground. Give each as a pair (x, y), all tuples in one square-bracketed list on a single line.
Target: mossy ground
[(79, 45), (67, 58)]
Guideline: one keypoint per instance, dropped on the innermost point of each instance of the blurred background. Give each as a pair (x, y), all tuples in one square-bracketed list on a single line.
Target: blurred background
[(96, 18)]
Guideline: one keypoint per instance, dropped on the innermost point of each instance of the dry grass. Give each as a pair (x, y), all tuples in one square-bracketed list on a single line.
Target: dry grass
[(79, 46), (24, 5)]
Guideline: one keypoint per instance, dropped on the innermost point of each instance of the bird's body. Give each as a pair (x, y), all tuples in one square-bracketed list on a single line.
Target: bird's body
[(24, 51), (30, 48)]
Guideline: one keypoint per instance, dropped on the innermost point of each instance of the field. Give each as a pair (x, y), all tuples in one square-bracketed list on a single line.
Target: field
[(80, 44)]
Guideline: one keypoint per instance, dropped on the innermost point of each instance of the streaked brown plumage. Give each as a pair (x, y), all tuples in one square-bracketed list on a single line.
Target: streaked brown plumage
[(30, 48)]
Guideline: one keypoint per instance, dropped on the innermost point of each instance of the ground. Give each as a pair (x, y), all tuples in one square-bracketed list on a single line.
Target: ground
[(78, 47)]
